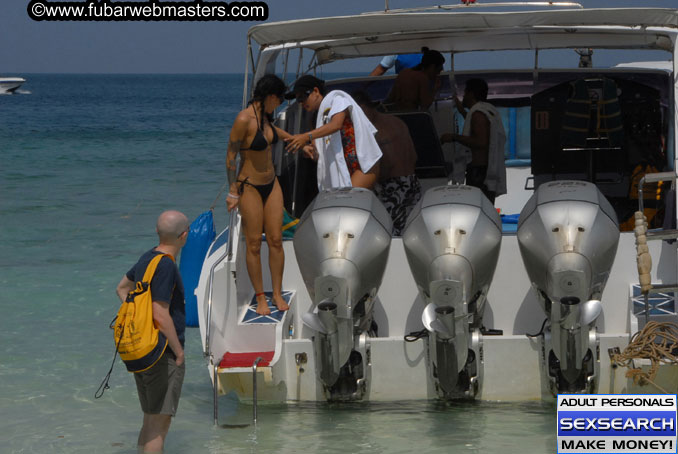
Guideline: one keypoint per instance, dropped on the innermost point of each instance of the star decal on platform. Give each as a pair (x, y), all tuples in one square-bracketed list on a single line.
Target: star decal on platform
[(276, 316)]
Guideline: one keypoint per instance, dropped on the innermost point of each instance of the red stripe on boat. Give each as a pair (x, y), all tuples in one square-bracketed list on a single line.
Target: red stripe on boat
[(245, 359)]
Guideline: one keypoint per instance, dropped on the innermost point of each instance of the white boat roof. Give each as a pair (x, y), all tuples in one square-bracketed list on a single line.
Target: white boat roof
[(382, 33), (664, 65)]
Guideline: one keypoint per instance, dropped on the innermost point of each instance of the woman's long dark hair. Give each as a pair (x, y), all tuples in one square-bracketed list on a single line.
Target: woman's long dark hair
[(430, 57), (269, 84)]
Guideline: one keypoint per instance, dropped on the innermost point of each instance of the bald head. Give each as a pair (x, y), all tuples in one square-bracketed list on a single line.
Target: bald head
[(171, 224)]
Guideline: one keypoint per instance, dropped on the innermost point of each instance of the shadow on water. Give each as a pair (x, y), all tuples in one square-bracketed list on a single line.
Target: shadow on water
[(234, 426)]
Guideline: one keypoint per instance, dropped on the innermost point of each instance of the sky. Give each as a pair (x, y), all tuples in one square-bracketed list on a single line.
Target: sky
[(169, 47)]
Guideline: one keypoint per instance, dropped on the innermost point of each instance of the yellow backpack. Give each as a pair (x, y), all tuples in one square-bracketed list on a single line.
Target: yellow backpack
[(137, 339)]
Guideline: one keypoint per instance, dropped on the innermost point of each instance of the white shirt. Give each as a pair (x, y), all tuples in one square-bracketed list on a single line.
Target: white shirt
[(332, 168), (496, 166)]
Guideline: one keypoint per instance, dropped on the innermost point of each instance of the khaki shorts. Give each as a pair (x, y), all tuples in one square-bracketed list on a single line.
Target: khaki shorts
[(160, 386)]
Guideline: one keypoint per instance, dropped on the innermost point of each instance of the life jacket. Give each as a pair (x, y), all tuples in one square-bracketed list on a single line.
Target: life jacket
[(609, 115), (137, 339), (577, 115)]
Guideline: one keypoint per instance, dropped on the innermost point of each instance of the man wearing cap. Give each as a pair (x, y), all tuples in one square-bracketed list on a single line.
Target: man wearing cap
[(343, 139)]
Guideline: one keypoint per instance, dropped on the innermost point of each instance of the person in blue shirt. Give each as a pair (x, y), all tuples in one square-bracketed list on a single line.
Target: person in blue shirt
[(159, 387), (399, 61)]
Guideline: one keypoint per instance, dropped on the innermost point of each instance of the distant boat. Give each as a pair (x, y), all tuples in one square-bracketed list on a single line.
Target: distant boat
[(10, 84)]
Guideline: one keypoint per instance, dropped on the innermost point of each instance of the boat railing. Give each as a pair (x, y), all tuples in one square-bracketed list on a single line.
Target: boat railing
[(227, 255), (653, 178), (473, 4)]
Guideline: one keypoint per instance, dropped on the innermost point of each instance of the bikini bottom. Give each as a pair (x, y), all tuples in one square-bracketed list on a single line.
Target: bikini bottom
[(264, 190)]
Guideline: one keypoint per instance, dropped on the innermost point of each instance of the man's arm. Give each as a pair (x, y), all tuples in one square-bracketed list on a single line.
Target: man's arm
[(378, 71), (384, 65), (124, 287), (480, 133), (163, 320), (298, 141)]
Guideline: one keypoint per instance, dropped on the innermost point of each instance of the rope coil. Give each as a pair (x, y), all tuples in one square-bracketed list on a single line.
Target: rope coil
[(657, 342)]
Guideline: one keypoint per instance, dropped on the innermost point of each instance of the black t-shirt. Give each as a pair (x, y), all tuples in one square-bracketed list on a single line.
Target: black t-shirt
[(166, 287)]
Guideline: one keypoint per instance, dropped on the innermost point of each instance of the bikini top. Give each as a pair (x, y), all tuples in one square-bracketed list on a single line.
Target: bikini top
[(259, 143)]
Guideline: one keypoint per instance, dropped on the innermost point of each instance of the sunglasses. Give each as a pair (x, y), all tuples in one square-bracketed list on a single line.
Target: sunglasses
[(303, 96)]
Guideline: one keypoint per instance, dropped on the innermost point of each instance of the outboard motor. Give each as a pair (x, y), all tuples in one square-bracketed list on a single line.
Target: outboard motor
[(568, 235), (452, 242), (342, 244)]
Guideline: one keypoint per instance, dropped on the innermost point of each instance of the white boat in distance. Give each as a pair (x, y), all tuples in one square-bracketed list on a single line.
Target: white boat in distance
[(10, 84), (444, 311)]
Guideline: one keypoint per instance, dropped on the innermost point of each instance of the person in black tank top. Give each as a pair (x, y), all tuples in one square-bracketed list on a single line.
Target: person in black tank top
[(255, 191)]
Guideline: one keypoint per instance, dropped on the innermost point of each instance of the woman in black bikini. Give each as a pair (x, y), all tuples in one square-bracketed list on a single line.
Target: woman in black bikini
[(256, 190)]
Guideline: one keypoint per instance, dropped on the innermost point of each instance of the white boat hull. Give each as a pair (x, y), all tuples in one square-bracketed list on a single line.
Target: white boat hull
[(512, 362), (10, 84)]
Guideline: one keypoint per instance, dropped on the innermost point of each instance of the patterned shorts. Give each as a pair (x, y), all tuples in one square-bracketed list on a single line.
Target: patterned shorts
[(399, 195)]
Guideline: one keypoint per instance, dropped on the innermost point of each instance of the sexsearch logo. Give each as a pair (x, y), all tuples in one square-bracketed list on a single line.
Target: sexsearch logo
[(604, 423)]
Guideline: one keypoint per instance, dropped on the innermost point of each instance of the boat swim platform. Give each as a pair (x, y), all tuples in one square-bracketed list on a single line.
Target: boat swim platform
[(270, 326), (397, 370), (512, 365), (512, 372)]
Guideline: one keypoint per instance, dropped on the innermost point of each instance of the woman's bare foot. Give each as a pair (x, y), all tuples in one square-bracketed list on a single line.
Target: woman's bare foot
[(280, 303), (262, 305)]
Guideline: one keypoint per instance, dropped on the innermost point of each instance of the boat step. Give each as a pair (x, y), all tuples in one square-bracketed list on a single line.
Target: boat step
[(245, 359), (660, 234), (250, 316)]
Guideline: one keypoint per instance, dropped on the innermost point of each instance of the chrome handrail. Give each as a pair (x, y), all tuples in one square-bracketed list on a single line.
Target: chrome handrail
[(227, 254), (479, 5), (215, 394), (254, 388), (652, 178)]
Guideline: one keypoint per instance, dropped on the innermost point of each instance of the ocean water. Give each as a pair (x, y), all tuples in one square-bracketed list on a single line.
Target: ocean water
[(87, 164)]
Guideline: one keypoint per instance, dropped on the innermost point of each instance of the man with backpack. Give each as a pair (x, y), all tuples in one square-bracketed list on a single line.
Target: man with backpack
[(159, 383)]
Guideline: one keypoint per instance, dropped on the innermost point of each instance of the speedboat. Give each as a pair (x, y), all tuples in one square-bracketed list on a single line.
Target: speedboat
[(10, 84), (534, 296)]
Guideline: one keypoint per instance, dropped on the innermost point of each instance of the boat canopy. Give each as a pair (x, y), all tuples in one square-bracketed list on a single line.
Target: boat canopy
[(372, 34), (468, 29)]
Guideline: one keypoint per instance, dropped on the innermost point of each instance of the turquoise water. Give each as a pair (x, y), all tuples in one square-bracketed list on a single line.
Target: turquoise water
[(88, 162)]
